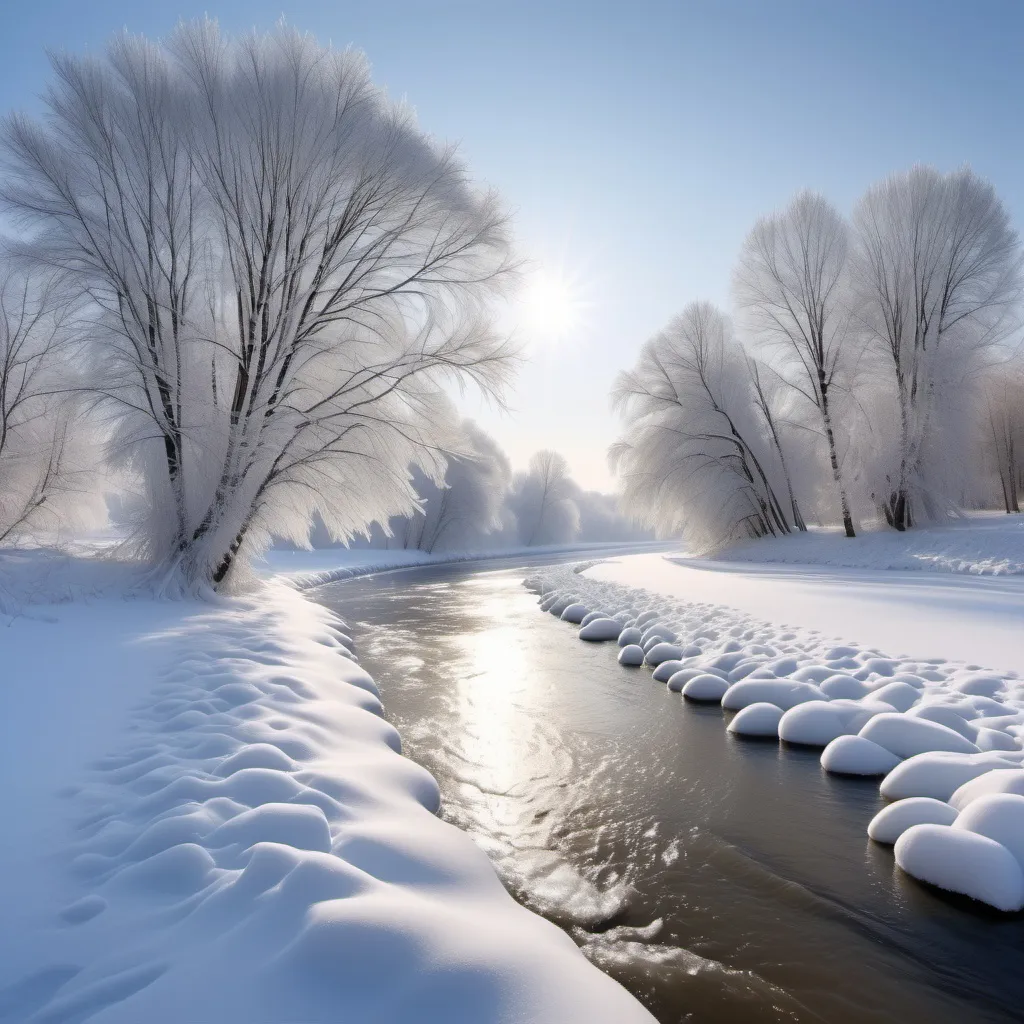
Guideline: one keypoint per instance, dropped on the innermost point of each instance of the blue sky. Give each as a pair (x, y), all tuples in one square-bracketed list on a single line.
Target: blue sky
[(637, 142)]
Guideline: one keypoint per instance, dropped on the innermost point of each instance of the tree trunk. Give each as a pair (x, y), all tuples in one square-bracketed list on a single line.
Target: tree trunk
[(837, 476)]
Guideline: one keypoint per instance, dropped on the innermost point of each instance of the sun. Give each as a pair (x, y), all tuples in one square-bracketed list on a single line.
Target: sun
[(551, 306)]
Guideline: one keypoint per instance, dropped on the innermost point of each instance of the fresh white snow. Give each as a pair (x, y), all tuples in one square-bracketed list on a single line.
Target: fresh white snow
[(207, 818)]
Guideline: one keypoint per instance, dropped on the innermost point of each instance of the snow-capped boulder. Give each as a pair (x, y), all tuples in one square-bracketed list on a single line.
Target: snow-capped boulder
[(630, 635), (982, 685), (854, 755), (993, 781), (902, 696), (667, 669), (705, 686), (857, 713), (813, 723), (681, 677), (892, 821), (783, 693), (663, 652), (945, 715), (631, 655), (600, 629), (813, 674), (999, 816), (659, 629), (908, 736), (993, 739), (591, 616), (844, 687), (756, 720), (963, 862), (574, 612), (937, 774), (561, 603)]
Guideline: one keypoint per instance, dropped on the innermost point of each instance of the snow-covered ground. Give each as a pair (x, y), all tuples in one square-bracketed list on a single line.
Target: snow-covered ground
[(981, 544), (206, 818), (890, 673)]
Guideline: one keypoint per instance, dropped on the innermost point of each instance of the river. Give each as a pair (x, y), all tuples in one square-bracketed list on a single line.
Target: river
[(717, 878)]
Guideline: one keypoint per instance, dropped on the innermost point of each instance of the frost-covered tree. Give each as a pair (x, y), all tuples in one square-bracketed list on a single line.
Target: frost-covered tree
[(937, 273), (791, 286), (46, 449), (694, 456), (1002, 430), (285, 274), (543, 500)]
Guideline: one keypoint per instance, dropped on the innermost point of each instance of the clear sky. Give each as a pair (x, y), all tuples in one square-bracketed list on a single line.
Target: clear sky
[(637, 141)]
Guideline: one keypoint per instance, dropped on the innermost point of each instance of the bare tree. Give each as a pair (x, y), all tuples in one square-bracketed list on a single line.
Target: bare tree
[(286, 272), (544, 501), (1002, 428), (693, 455), (937, 270), (791, 286), (44, 439)]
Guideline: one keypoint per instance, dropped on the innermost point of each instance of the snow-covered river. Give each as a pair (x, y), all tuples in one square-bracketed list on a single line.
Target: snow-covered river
[(714, 877)]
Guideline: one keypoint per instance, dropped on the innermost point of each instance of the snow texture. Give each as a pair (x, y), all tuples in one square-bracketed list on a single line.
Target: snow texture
[(210, 820)]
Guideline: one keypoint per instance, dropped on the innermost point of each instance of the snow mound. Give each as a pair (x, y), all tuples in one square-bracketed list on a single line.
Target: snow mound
[(601, 629), (783, 693), (855, 755), (995, 781), (962, 862), (705, 687), (842, 686), (575, 612), (937, 774), (630, 636), (999, 816), (892, 821), (663, 651), (813, 724), (631, 655), (902, 696), (667, 669), (906, 736), (756, 720), (681, 677)]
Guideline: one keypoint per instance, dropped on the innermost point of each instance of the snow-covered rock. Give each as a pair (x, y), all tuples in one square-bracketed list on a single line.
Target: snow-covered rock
[(681, 677), (667, 669), (663, 652), (631, 655), (995, 781), (843, 686), (1000, 816), (855, 755), (756, 720), (705, 686), (902, 696), (630, 636), (814, 724), (784, 693), (962, 862), (591, 616), (906, 736), (892, 821), (937, 774), (574, 613), (600, 629)]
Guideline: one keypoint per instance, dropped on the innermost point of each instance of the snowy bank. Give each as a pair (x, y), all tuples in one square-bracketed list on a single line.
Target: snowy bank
[(208, 819), (980, 544), (942, 734), (307, 569)]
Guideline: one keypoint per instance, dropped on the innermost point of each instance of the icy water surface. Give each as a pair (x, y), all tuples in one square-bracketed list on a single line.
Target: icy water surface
[(718, 878)]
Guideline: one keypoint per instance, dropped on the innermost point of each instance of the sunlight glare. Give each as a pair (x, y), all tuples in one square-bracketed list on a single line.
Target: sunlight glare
[(551, 306)]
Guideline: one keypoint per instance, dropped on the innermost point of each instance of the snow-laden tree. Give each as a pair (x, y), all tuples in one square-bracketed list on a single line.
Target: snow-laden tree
[(285, 274), (694, 456), (543, 500), (937, 276), (602, 520), (791, 288), (46, 440), (1001, 428), (464, 510)]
